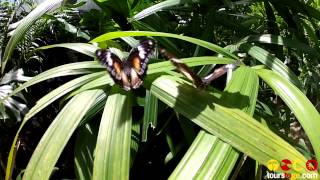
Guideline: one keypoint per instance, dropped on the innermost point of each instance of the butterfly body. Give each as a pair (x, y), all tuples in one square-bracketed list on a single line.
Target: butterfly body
[(129, 72)]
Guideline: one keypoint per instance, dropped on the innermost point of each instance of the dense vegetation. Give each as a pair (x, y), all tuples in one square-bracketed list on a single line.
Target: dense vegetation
[(62, 115)]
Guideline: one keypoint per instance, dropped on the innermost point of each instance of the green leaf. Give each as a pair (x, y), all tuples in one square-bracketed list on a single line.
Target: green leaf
[(242, 90), (196, 154), (72, 29), (95, 108), (95, 83), (85, 144), (135, 141), (112, 154), (165, 42), (64, 70), (194, 61), (274, 39), (299, 104), (231, 125), (24, 26), (59, 92), (150, 114), (84, 48), (57, 135), (69, 69), (272, 62), (155, 8), (208, 157), (205, 44)]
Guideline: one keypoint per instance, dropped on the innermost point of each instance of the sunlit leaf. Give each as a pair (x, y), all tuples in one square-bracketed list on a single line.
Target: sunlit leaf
[(299, 104), (231, 125), (209, 157), (205, 44)]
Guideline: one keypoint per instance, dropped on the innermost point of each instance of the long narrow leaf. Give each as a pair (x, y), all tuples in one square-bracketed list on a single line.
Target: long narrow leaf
[(60, 91), (241, 92), (299, 104), (274, 39), (195, 156), (150, 114), (155, 8), (42, 103), (85, 144), (231, 125), (272, 62), (91, 66), (57, 135), (218, 158), (63, 70), (96, 83), (205, 44), (26, 23), (84, 48), (194, 61), (112, 154)]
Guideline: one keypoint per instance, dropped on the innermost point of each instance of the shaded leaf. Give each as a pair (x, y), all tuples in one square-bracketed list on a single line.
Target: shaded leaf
[(57, 135), (24, 26), (112, 154)]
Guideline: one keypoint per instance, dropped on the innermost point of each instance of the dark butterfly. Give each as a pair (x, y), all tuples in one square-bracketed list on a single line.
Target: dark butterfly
[(184, 69), (198, 82), (128, 73)]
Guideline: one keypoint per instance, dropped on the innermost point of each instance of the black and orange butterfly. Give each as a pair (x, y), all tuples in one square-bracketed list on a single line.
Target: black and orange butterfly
[(128, 73)]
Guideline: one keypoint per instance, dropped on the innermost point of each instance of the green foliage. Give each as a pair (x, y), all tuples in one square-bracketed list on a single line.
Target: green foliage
[(203, 132)]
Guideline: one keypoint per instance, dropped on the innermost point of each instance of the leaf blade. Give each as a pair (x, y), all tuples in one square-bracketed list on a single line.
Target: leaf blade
[(205, 44), (299, 104), (228, 124), (26, 23), (112, 154), (56, 137)]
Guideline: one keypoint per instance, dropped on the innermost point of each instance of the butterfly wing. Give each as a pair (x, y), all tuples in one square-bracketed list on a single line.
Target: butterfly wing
[(220, 71), (139, 56), (114, 66), (128, 73), (184, 69)]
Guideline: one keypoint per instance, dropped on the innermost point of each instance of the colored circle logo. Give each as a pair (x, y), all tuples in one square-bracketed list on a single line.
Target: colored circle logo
[(273, 165), (286, 164), (297, 165), (312, 165)]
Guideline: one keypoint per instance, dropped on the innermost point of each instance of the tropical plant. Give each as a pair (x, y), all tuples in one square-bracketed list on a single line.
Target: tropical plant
[(276, 41)]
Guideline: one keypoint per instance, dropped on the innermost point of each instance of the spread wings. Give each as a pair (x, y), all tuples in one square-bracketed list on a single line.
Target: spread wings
[(128, 73)]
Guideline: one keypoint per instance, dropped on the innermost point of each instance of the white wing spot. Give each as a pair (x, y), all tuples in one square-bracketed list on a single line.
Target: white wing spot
[(142, 52), (142, 55), (140, 48), (109, 59)]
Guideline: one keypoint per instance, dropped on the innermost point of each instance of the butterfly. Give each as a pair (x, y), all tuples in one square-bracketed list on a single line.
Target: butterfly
[(183, 68), (129, 72), (200, 83)]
